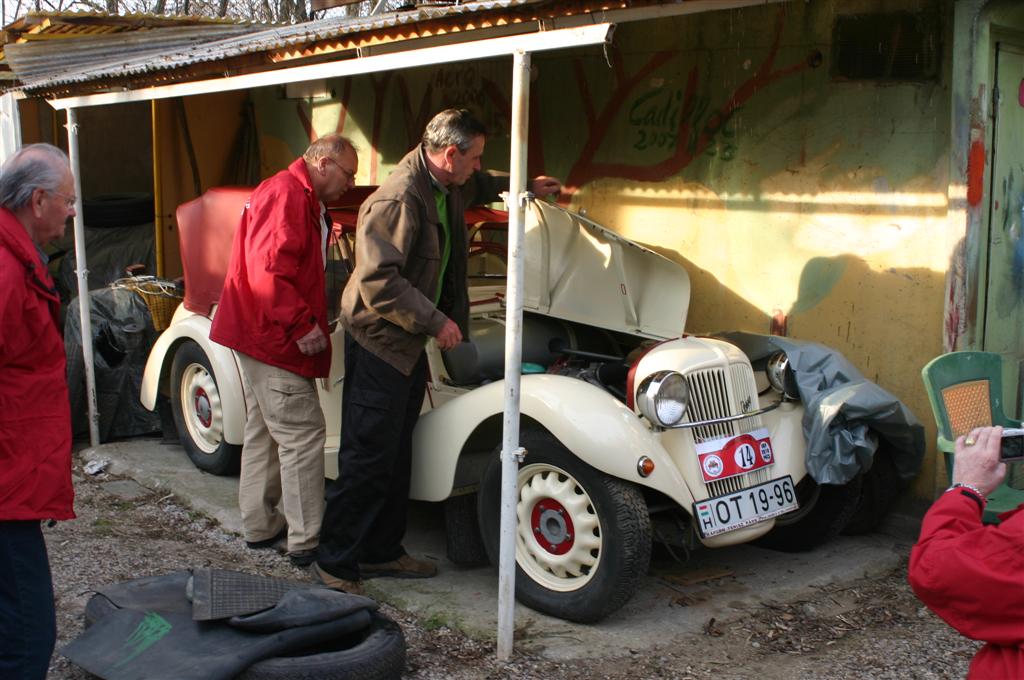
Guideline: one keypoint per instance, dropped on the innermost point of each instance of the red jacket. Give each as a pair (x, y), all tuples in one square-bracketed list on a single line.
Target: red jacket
[(972, 576), (35, 415), (274, 290)]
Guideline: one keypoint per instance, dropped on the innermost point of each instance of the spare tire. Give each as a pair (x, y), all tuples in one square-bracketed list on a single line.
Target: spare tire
[(117, 210), (376, 652)]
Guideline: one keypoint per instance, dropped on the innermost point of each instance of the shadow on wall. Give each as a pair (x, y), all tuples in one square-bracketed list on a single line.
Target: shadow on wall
[(888, 322)]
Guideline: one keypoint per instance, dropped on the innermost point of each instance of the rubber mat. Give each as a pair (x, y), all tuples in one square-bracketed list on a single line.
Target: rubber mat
[(149, 628), (147, 645), (221, 594)]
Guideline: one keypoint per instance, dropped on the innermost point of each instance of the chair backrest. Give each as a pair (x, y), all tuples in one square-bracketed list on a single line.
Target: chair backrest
[(965, 390)]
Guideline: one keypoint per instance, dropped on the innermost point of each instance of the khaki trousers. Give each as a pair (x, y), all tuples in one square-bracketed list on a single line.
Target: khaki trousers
[(282, 477)]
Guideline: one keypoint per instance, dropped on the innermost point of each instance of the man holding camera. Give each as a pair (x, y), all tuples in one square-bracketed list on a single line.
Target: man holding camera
[(971, 574)]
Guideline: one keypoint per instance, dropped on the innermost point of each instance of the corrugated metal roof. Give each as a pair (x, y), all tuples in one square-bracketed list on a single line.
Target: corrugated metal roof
[(65, 62), (70, 59)]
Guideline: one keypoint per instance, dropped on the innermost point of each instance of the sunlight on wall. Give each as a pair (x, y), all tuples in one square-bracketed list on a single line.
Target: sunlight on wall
[(769, 247)]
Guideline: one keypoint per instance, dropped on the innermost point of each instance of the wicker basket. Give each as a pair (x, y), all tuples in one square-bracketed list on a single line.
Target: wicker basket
[(161, 297)]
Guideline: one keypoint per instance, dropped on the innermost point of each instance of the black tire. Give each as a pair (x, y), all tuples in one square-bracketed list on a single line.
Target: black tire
[(196, 407), (374, 653), (117, 210), (571, 495), (878, 492), (463, 544), (824, 511)]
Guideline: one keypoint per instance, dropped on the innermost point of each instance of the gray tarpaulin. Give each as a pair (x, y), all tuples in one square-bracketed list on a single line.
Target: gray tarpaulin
[(122, 335), (845, 413)]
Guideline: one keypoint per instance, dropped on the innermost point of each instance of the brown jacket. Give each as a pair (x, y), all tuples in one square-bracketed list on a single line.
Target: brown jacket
[(387, 305)]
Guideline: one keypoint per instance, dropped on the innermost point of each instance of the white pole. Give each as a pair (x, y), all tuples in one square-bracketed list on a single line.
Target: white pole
[(510, 451), (83, 282)]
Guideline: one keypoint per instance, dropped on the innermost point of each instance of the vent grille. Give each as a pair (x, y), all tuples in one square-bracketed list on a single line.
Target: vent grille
[(720, 393), (892, 46), (737, 483)]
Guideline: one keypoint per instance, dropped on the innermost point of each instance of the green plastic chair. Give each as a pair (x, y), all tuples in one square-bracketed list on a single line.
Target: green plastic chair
[(966, 391)]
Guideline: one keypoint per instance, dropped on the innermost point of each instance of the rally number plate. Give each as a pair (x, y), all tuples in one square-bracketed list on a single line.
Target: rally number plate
[(743, 508), (731, 456)]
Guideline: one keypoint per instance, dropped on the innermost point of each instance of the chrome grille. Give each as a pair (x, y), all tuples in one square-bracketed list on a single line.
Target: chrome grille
[(737, 483), (719, 393), (709, 399)]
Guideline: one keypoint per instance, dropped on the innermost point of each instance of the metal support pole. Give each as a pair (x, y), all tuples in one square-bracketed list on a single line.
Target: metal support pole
[(158, 193), (510, 450), (83, 282)]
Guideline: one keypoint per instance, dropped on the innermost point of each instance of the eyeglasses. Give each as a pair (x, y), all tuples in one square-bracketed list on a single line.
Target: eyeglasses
[(350, 174), (69, 201)]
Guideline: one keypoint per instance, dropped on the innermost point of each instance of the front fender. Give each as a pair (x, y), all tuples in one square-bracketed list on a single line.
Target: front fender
[(591, 423), (187, 325)]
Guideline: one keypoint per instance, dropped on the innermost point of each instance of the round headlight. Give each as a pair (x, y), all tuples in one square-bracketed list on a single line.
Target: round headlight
[(780, 375), (662, 398)]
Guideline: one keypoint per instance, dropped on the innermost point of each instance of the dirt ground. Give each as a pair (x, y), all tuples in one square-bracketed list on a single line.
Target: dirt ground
[(873, 628)]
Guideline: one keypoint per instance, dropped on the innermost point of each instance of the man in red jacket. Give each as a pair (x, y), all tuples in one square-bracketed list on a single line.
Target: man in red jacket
[(273, 313), (970, 574), (37, 196)]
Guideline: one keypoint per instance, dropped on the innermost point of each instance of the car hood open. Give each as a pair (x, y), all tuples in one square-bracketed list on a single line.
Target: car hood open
[(575, 269)]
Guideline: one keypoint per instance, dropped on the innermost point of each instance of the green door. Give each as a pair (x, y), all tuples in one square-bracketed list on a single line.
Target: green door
[(1004, 302)]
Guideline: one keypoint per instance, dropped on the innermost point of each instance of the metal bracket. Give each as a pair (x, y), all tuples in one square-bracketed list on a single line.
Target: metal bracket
[(519, 454), (525, 198)]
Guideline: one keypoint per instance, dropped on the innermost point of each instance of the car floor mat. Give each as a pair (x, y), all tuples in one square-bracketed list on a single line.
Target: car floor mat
[(222, 593), (128, 644)]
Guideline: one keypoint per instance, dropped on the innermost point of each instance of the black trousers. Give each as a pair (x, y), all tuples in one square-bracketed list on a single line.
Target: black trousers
[(28, 623), (365, 514)]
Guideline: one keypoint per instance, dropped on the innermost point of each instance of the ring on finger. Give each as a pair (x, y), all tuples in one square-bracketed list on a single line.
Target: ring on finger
[(969, 441)]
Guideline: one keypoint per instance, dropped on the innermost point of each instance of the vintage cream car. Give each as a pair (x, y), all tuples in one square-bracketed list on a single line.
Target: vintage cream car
[(633, 429)]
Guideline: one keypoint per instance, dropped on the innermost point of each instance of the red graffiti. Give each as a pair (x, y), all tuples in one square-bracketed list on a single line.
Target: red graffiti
[(307, 124), (343, 111), (976, 173), (598, 123)]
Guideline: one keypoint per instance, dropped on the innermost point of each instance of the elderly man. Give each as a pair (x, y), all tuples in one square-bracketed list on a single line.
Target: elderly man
[(273, 313), (409, 284), (971, 574), (37, 195)]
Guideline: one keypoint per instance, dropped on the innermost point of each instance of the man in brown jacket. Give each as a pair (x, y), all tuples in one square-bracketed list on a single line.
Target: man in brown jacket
[(409, 284)]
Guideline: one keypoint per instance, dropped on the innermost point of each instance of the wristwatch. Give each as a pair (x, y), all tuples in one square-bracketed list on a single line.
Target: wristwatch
[(971, 492)]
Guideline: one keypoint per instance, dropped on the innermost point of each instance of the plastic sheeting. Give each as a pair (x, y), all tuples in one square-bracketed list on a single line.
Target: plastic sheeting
[(844, 414), (122, 337), (109, 251)]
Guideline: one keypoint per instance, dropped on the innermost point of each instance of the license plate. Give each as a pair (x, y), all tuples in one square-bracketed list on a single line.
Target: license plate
[(731, 456), (743, 508)]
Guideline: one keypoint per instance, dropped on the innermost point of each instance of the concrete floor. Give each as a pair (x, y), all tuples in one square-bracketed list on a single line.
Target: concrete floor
[(675, 598)]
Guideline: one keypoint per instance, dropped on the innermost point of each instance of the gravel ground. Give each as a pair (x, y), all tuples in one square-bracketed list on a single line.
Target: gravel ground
[(873, 629)]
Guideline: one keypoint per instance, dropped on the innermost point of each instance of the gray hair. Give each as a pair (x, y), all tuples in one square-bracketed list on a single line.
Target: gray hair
[(453, 126), (332, 146), (36, 166)]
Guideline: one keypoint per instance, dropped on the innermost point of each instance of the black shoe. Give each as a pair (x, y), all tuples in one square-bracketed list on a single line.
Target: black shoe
[(274, 542), (302, 558)]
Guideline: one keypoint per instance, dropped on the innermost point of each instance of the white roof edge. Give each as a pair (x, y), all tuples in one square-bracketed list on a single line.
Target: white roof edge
[(537, 41)]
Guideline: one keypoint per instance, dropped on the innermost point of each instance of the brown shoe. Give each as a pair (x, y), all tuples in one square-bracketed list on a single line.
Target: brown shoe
[(335, 583), (405, 566)]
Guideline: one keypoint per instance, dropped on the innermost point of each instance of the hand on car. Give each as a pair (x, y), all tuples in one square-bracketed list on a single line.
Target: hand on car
[(977, 459), (449, 336), (543, 185), (312, 342)]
